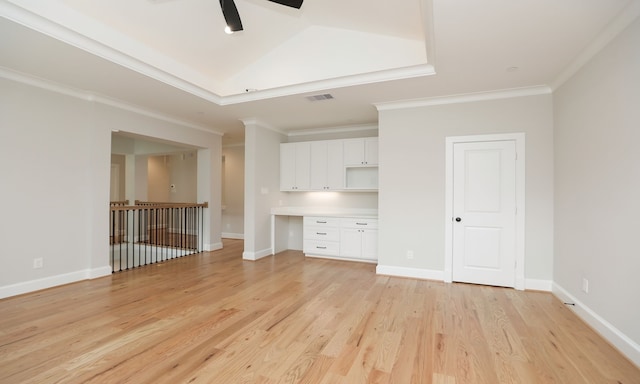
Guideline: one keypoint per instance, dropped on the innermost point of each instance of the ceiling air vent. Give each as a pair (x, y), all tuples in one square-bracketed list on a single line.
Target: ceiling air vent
[(325, 96)]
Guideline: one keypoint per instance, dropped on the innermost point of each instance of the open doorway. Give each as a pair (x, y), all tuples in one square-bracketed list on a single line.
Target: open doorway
[(154, 213), (147, 170)]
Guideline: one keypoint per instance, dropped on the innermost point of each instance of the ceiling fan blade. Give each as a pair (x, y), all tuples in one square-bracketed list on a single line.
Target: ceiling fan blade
[(231, 15), (289, 3)]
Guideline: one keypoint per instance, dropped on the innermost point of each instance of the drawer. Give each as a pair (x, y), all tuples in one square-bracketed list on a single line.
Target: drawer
[(319, 221), (321, 233), (318, 247), (349, 222)]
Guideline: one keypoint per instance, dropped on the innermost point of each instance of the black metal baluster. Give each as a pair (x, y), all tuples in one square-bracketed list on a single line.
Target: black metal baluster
[(124, 230), (155, 230), (181, 229), (147, 220), (113, 245), (134, 243), (201, 230)]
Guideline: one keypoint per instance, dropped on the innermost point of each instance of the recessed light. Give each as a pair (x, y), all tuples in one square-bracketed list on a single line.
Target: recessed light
[(512, 69)]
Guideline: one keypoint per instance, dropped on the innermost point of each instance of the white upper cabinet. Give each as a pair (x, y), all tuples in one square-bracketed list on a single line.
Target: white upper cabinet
[(327, 169), (361, 152), (329, 165), (295, 161)]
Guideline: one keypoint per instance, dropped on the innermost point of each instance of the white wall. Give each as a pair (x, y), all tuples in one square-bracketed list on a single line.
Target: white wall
[(412, 178), (183, 172), (597, 190), (233, 192), (45, 163), (55, 160), (262, 187)]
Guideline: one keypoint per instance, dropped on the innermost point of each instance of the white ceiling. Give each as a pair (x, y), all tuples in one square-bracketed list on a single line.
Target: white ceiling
[(173, 57)]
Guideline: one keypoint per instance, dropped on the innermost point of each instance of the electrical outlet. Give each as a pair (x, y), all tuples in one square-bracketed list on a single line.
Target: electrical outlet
[(585, 285), (410, 255), (38, 263)]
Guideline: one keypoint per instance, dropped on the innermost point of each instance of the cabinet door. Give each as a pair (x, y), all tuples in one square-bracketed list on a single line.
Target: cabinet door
[(335, 165), (287, 167), (294, 166), (354, 152), (350, 242), (327, 165), (303, 162), (370, 244), (371, 151), (318, 166)]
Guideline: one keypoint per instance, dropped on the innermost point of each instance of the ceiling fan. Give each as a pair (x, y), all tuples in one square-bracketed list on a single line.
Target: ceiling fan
[(232, 17)]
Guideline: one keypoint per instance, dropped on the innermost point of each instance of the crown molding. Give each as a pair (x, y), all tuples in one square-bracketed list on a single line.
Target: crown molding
[(465, 98), (340, 129), (338, 82), (627, 16), (233, 145), (257, 122), (69, 36), (47, 85), (59, 32)]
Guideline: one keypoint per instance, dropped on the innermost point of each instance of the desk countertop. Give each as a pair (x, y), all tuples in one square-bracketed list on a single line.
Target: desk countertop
[(325, 211)]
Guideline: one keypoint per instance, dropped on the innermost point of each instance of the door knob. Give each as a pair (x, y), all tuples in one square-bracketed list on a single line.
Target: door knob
[(458, 219)]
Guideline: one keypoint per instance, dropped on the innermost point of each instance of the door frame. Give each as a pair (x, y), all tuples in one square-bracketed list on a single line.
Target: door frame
[(519, 139)]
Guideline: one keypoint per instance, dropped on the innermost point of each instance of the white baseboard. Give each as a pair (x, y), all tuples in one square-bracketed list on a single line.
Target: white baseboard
[(253, 256), (212, 247), (338, 258), (424, 274), (622, 342), (99, 272), (229, 235), (52, 281), (538, 285)]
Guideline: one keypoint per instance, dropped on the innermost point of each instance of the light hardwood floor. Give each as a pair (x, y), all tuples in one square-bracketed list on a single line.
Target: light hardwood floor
[(213, 318)]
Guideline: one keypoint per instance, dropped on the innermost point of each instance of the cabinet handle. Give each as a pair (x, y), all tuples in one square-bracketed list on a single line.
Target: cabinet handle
[(321, 247), (361, 223), (321, 222), (321, 233)]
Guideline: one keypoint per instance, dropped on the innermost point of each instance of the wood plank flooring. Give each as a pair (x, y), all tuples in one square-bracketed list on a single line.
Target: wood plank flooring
[(213, 318)]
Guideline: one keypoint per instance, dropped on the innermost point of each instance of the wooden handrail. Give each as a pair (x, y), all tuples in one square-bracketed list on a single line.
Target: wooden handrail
[(151, 205), (140, 202)]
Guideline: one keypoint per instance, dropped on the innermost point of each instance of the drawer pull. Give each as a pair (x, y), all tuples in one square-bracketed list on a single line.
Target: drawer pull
[(321, 222), (318, 247), (361, 223), (321, 233)]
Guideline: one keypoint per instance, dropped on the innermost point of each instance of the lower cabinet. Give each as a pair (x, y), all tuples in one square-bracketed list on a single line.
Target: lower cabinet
[(345, 238), (321, 235)]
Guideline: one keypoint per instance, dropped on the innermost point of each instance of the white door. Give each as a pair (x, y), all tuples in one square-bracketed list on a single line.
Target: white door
[(484, 213)]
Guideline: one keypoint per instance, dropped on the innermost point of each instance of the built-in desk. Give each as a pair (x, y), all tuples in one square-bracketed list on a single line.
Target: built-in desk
[(344, 234)]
